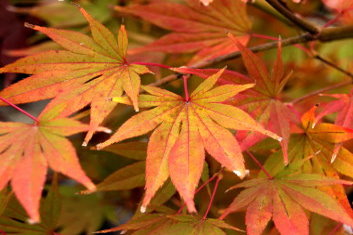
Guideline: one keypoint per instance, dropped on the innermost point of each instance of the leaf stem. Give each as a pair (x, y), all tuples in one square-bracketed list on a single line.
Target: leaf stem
[(219, 177), (186, 89), (19, 109), (269, 176), (199, 189), (152, 64)]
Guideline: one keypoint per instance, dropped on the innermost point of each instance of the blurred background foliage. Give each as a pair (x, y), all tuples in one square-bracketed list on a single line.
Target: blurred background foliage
[(68, 213)]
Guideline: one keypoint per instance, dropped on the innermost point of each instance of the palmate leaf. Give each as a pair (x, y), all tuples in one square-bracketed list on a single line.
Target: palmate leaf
[(89, 71), (27, 150), (284, 199), (196, 28), (265, 101), (316, 146), (183, 130), (323, 139), (173, 224)]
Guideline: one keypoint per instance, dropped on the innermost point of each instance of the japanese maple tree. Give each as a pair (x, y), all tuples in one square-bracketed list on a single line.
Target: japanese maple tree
[(196, 117)]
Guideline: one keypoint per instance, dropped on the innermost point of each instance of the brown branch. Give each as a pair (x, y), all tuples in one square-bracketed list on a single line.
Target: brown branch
[(298, 21), (306, 37), (325, 35)]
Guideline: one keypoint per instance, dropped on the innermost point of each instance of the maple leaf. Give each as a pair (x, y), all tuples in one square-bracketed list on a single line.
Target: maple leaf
[(196, 28), (323, 137), (344, 106), (183, 129), (284, 199), (174, 224), (316, 145), (89, 71), (263, 101), (27, 150)]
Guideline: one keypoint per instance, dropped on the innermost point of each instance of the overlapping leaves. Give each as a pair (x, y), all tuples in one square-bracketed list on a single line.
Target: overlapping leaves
[(183, 129), (89, 71)]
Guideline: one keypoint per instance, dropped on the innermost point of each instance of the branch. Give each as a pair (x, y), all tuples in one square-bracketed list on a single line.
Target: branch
[(295, 19), (306, 37), (325, 35)]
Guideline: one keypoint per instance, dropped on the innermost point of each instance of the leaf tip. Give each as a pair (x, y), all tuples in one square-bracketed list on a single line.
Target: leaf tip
[(123, 231), (99, 146), (84, 143), (108, 131), (137, 109), (143, 209), (241, 174), (33, 220), (28, 25), (105, 130), (347, 229), (333, 158)]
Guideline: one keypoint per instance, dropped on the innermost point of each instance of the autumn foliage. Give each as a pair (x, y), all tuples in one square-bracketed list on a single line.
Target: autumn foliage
[(196, 117)]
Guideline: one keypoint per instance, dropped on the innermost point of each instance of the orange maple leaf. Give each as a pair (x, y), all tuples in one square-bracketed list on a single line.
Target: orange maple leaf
[(27, 150), (90, 71), (284, 199), (183, 130)]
